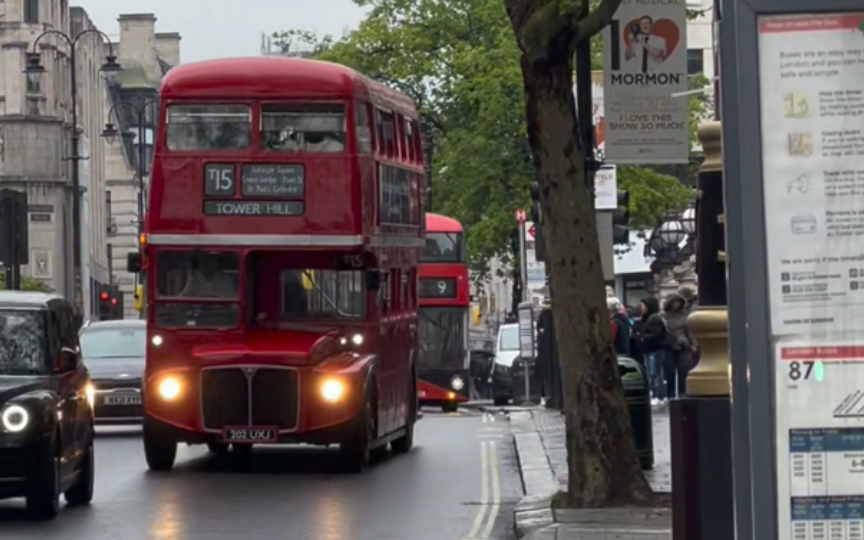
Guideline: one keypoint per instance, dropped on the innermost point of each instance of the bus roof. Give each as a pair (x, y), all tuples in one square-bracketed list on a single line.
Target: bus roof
[(277, 77), (439, 223)]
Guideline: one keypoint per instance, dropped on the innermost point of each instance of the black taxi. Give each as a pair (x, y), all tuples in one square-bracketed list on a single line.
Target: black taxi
[(46, 412)]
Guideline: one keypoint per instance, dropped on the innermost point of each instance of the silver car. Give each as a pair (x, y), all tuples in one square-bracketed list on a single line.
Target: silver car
[(113, 351)]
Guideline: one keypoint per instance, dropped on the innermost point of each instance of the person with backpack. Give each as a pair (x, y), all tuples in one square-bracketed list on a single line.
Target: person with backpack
[(679, 345), (622, 333), (651, 335)]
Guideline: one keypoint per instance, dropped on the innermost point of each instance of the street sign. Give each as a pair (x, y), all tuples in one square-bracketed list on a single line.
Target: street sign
[(532, 232), (797, 277), (520, 216)]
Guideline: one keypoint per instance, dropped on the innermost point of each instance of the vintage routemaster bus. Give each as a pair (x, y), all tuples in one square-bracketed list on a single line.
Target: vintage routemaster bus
[(443, 317), (284, 229)]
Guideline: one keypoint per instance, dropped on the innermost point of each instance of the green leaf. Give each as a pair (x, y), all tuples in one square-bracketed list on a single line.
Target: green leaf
[(27, 284)]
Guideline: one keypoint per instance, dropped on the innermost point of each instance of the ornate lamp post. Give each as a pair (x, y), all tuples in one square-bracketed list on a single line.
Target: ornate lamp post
[(34, 71)]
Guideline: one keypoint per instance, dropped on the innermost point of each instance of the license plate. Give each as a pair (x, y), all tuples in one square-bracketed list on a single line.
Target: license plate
[(250, 434), (122, 400)]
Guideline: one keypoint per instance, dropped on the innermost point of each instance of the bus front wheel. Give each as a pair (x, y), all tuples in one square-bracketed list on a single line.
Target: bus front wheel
[(159, 450)]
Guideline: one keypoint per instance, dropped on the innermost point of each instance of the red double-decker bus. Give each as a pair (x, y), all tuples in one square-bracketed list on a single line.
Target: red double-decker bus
[(283, 235), (443, 317)]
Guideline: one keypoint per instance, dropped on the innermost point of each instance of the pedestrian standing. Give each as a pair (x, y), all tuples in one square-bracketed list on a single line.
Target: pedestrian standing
[(651, 335), (679, 345), (621, 339)]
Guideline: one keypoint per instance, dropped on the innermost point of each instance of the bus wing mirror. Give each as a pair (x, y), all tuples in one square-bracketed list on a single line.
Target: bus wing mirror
[(133, 262), (373, 280)]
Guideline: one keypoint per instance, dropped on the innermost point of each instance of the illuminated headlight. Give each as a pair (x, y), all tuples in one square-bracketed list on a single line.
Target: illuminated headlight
[(332, 390), (169, 388), (156, 341), (343, 341), (90, 392), (15, 418), (357, 339), (457, 383)]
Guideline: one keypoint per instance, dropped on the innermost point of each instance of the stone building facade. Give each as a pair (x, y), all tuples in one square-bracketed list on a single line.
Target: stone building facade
[(35, 139), (146, 56)]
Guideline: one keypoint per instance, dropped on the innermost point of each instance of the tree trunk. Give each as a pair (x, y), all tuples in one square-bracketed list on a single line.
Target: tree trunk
[(604, 468)]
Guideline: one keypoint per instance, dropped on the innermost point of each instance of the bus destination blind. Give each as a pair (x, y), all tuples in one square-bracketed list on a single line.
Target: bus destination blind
[(253, 208), (272, 181), (437, 288)]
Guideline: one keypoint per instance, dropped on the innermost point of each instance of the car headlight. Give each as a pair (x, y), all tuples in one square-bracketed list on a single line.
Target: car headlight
[(169, 388), (15, 418), (90, 392), (332, 390)]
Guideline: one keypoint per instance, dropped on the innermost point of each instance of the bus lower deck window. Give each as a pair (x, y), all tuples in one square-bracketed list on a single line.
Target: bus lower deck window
[(311, 127), (208, 127)]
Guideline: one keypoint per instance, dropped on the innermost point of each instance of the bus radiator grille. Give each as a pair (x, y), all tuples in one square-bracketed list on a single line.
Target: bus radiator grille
[(275, 398), (224, 398)]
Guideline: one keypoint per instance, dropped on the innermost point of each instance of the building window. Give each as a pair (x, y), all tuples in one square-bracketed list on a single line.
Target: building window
[(33, 106), (31, 11), (695, 61)]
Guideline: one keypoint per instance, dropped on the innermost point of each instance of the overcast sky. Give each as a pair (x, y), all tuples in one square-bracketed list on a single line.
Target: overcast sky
[(221, 28)]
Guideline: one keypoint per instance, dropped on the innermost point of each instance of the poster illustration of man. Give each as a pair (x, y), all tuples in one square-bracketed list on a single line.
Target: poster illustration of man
[(646, 44)]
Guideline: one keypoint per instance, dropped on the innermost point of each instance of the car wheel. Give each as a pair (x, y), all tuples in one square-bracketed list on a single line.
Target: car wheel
[(43, 497), (450, 406), (356, 454), (159, 450), (217, 447), (81, 492)]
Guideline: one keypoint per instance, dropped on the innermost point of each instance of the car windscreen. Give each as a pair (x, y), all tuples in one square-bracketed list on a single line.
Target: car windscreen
[(509, 339), (22, 342), (113, 342)]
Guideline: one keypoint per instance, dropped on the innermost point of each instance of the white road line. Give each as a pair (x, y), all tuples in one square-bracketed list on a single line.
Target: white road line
[(496, 490), (484, 489)]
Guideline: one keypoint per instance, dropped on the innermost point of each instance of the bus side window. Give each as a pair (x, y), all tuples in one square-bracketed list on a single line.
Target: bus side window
[(409, 142), (384, 294), (386, 139), (363, 134), (417, 143), (399, 122)]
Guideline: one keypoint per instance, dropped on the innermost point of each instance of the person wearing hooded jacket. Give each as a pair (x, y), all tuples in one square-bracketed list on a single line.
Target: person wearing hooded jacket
[(621, 325), (651, 334), (679, 345)]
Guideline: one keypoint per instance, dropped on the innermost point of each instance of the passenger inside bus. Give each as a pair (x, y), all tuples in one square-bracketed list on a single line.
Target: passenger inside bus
[(197, 275), (205, 280), (316, 128)]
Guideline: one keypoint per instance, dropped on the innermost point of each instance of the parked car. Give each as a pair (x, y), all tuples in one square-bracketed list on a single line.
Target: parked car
[(506, 352), (113, 351), (46, 414)]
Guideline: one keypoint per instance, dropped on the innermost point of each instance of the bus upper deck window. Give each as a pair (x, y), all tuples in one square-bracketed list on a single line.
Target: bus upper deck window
[(208, 127), (310, 127)]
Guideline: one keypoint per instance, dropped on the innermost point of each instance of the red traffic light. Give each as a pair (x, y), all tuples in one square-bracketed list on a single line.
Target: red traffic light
[(113, 301), (103, 296)]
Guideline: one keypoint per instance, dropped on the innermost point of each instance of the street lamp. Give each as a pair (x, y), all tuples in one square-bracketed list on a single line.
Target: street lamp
[(34, 71), (688, 221), (110, 133), (670, 243)]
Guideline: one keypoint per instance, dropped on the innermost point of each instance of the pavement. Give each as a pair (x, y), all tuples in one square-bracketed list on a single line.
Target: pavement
[(460, 482), (541, 449)]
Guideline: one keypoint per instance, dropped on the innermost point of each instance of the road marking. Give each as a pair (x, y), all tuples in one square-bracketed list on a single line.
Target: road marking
[(490, 493), (496, 490), (484, 489)]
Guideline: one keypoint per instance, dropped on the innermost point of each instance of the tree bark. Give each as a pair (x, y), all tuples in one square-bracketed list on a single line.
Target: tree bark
[(603, 466)]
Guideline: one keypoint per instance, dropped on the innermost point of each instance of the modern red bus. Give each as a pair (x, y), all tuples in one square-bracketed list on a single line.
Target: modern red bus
[(284, 229), (443, 317)]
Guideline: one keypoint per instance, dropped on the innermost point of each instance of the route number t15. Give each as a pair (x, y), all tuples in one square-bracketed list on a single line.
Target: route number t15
[(800, 370)]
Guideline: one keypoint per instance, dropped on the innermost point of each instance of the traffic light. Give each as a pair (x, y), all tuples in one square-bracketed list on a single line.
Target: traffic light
[(110, 307), (621, 219)]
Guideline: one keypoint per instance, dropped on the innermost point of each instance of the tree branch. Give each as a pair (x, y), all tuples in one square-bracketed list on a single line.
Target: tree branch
[(597, 20)]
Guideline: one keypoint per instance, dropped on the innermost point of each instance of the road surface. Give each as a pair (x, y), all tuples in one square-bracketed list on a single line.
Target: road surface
[(459, 482)]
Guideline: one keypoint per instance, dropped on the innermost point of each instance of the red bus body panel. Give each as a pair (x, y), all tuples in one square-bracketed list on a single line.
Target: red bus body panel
[(432, 386), (341, 217)]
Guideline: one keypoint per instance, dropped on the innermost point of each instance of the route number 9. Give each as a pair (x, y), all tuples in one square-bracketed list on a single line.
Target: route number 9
[(800, 370), (442, 287)]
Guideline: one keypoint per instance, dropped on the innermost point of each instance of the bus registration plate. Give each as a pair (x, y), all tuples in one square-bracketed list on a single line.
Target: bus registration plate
[(250, 434)]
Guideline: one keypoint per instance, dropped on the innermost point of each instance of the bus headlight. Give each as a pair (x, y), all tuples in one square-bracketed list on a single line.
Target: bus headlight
[(357, 339), (332, 390), (15, 418), (457, 383), (169, 388), (90, 392), (156, 341)]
